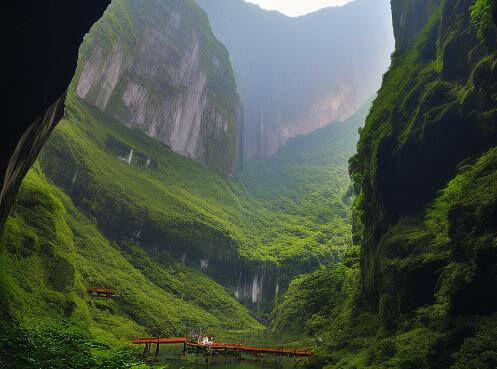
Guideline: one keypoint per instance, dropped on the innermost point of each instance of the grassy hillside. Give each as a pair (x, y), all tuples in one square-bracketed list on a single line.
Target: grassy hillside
[(290, 213), (51, 253)]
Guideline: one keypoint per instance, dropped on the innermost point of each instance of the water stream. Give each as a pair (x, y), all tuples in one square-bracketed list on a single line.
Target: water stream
[(171, 358)]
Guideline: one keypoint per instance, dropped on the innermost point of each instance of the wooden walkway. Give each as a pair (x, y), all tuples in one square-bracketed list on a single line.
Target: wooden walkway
[(161, 341), (101, 292), (221, 346)]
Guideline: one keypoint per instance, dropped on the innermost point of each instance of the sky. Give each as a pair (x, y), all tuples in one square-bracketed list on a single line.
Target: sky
[(295, 8)]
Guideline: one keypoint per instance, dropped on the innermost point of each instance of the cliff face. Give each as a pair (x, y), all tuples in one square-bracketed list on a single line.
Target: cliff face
[(156, 66), (409, 18), (425, 168), (297, 75)]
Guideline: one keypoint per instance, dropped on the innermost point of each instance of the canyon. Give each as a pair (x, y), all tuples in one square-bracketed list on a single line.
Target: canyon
[(296, 75), (295, 209)]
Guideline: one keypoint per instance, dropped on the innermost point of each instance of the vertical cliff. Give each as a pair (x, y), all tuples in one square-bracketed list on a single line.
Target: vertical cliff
[(157, 67), (425, 168), (297, 75)]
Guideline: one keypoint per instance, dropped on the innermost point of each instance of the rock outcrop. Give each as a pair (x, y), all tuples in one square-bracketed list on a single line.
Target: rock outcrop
[(156, 66)]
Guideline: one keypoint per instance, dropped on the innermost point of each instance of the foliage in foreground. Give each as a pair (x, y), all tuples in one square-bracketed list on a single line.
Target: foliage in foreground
[(57, 346)]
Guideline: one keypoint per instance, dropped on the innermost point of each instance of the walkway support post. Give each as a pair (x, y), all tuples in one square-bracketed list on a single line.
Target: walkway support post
[(158, 347)]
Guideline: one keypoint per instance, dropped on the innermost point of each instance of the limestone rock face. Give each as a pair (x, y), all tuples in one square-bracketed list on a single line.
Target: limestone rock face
[(155, 66)]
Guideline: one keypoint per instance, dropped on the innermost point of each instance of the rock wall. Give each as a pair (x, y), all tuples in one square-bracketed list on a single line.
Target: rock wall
[(409, 18), (431, 126), (156, 66)]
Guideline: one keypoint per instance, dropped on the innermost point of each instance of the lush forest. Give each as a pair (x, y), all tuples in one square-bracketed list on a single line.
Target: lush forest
[(371, 241)]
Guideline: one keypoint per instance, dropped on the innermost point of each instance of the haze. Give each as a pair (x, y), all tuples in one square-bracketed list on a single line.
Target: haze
[(295, 8)]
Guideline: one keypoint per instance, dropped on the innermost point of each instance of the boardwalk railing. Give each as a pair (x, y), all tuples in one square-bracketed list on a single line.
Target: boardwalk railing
[(221, 346)]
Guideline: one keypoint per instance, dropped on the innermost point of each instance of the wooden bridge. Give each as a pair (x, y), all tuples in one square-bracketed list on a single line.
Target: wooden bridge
[(101, 292), (218, 347)]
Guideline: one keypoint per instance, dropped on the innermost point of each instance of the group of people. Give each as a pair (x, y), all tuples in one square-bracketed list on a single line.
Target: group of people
[(205, 341)]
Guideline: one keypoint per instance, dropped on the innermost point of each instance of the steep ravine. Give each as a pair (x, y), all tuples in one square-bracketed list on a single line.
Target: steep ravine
[(248, 238), (138, 76)]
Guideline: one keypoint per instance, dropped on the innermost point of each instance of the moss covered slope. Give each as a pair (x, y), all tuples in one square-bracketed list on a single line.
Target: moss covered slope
[(52, 253)]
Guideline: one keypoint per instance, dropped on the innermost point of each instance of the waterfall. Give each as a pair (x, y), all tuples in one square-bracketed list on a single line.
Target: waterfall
[(148, 162), (73, 181), (262, 129), (130, 156), (256, 289)]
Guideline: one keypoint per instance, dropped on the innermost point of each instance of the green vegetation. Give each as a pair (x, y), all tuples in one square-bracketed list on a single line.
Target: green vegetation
[(51, 253), (106, 206), (481, 14), (302, 222), (422, 293), (305, 192), (62, 247), (86, 217), (58, 346)]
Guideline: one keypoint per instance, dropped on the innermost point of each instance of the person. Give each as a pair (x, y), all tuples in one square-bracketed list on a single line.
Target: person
[(206, 341)]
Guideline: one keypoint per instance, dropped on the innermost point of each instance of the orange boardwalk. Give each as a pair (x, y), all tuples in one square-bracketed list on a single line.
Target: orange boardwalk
[(161, 340), (102, 292), (225, 346)]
